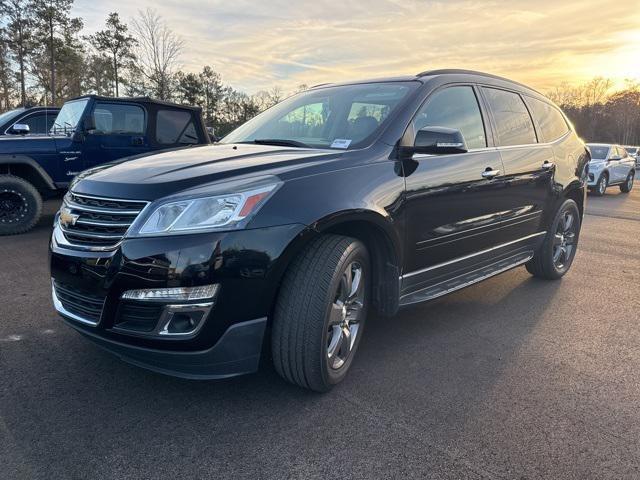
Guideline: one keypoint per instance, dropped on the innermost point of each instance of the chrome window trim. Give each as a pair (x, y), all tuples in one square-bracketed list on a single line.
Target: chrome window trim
[(471, 255)]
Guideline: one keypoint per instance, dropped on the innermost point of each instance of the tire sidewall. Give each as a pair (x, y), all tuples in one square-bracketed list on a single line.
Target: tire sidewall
[(603, 178), (548, 244), (32, 198), (356, 252)]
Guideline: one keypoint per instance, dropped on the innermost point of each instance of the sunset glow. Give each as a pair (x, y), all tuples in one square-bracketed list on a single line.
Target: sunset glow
[(256, 45)]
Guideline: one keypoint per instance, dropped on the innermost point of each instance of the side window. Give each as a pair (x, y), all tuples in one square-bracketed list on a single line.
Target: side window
[(50, 119), (549, 118), (513, 122), (37, 123), (114, 118), (175, 126), (454, 107)]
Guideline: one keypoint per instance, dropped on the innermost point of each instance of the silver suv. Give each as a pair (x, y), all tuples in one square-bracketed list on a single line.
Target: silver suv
[(610, 165)]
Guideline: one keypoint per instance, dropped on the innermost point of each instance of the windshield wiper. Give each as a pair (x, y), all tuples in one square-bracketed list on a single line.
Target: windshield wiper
[(281, 142)]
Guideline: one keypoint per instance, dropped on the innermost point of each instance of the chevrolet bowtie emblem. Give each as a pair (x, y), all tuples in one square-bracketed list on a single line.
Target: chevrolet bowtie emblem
[(67, 218)]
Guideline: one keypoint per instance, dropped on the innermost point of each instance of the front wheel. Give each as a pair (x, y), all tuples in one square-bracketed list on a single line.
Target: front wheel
[(20, 205), (555, 256), (628, 183), (320, 312), (601, 186)]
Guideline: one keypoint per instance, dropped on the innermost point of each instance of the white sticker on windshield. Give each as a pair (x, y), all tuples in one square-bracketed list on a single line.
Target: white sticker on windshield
[(341, 143)]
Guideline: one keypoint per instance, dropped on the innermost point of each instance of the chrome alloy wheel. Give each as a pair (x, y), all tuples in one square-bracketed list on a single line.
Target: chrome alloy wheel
[(602, 185), (630, 181), (345, 316), (564, 240)]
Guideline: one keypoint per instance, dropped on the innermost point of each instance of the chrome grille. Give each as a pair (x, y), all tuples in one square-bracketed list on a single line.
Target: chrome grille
[(99, 222)]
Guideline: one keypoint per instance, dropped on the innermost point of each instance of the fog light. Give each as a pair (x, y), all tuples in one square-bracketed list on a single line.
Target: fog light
[(182, 320), (181, 294)]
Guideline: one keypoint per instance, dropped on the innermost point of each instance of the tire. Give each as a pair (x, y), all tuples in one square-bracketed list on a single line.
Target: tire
[(601, 187), (549, 262), (309, 323), (20, 205), (628, 183)]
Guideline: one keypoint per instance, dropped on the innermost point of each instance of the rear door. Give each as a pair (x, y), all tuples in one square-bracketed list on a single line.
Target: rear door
[(528, 164), (120, 131), (624, 164)]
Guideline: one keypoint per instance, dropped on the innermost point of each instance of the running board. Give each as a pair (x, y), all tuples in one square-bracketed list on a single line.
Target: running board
[(461, 281)]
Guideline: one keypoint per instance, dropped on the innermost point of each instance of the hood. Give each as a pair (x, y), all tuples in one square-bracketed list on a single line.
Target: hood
[(158, 175)]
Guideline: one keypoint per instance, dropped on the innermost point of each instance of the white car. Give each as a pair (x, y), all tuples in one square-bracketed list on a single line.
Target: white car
[(634, 152), (610, 165)]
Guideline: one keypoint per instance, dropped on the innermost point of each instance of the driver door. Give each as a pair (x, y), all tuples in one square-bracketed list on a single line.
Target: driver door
[(120, 131), (453, 209)]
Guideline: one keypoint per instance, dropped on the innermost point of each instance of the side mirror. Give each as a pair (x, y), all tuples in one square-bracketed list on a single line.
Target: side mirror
[(615, 157), (20, 129), (439, 140)]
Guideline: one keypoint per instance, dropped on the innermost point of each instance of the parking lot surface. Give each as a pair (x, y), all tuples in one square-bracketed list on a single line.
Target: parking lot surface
[(511, 378)]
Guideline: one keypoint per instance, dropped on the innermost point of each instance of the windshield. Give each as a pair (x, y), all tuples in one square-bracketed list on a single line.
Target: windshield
[(6, 116), (598, 152), (340, 117), (631, 150), (69, 116)]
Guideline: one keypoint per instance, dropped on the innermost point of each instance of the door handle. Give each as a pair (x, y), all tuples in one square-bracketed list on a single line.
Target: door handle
[(490, 173), (547, 165)]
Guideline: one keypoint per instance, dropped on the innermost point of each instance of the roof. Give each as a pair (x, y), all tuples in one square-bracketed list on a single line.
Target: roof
[(138, 100)]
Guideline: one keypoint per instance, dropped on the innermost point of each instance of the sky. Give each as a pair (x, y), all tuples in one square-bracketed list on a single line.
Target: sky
[(256, 44)]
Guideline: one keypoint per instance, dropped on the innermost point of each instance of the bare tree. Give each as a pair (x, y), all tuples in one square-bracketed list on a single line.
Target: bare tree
[(158, 52)]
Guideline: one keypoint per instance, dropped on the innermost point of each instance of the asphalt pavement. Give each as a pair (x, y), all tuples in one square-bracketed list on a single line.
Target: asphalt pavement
[(511, 378)]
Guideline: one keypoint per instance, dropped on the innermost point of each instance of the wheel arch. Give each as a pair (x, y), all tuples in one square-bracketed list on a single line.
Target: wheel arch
[(28, 169), (577, 192), (378, 234)]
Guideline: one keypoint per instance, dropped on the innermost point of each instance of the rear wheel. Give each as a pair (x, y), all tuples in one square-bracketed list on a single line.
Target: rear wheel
[(555, 256), (601, 186), (628, 183), (20, 205), (320, 312)]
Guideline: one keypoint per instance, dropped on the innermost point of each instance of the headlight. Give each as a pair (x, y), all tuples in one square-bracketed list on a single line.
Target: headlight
[(203, 213)]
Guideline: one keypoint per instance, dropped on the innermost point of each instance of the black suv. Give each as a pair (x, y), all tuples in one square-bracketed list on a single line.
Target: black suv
[(342, 199)]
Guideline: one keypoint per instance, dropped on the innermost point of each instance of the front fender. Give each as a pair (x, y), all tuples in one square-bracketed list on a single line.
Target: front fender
[(26, 160)]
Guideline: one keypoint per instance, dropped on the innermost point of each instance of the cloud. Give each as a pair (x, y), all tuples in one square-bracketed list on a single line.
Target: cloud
[(256, 44)]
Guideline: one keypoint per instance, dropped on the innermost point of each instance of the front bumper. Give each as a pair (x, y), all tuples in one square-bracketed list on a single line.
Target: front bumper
[(247, 265), (595, 170), (237, 352)]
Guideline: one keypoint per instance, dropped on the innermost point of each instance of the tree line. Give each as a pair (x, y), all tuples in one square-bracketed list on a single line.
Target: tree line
[(601, 113), (46, 59)]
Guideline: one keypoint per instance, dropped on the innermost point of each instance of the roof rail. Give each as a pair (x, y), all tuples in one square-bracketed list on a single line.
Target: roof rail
[(444, 71), (320, 85)]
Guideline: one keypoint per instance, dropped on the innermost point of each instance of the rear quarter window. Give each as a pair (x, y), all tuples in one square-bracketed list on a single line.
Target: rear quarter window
[(513, 122), (175, 126), (551, 122)]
